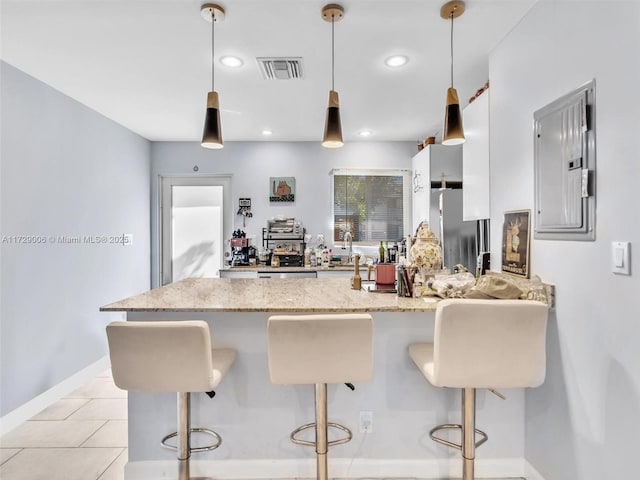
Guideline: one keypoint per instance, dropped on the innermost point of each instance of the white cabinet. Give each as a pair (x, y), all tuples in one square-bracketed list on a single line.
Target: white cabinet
[(428, 166), (475, 159)]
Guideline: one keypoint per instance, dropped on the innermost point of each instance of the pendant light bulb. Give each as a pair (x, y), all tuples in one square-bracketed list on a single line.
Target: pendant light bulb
[(333, 126), (453, 132), (212, 132)]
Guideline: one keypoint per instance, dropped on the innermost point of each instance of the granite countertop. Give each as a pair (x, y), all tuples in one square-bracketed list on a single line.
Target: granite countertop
[(305, 295)]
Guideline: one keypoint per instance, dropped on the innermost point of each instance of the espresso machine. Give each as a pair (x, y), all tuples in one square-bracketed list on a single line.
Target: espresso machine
[(239, 249)]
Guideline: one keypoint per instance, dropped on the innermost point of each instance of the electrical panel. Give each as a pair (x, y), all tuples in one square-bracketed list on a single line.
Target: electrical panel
[(564, 163)]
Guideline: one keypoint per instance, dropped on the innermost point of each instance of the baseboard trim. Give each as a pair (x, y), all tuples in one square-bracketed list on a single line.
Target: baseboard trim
[(24, 412), (531, 473), (339, 468)]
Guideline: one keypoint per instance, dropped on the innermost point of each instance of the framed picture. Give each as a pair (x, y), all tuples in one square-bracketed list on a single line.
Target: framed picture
[(282, 189), (515, 242)]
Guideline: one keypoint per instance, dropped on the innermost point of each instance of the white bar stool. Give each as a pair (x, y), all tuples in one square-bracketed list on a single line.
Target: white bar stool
[(482, 344), (170, 356), (316, 350)]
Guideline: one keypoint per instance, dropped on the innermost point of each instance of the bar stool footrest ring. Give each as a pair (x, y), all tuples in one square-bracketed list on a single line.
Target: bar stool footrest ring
[(308, 443), (453, 426), (217, 442)]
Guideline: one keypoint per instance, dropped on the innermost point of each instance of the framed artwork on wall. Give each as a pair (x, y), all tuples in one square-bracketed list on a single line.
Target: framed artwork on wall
[(282, 189), (515, 242)]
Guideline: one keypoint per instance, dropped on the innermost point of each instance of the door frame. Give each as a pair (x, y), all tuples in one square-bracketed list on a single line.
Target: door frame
[(166, 182)]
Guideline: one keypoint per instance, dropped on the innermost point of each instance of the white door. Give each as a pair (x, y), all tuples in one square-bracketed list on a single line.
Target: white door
[(193, 214)]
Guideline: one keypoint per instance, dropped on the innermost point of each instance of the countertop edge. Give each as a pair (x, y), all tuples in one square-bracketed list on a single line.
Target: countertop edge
[(426, 308)]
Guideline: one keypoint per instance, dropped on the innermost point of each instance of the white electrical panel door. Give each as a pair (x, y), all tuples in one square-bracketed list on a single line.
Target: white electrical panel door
[(564, 161)]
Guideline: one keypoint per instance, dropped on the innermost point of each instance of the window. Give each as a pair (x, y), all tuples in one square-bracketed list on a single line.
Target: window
[(372, 204)]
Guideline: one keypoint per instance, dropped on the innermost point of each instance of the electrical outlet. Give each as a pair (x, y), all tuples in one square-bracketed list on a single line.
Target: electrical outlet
[(366, 422)]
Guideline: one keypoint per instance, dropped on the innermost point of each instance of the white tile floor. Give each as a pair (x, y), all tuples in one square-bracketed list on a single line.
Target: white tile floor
[(80, 437)]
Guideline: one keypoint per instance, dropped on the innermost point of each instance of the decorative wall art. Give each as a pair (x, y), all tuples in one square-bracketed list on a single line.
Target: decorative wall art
[(515, 242), (282, 189)]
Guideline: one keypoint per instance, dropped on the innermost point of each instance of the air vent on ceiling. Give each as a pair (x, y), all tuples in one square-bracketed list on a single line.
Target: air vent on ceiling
[(280, 68)]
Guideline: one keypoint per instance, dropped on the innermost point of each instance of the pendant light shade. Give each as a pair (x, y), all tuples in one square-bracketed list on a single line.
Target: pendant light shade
[(212, 132), (332, 125), (453, 132)]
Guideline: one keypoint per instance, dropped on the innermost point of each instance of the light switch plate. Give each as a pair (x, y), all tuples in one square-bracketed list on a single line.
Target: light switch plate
[(620, 258)]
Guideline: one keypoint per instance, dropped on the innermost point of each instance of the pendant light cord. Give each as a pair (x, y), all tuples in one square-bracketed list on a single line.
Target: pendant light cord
[(452, 49), (213, 44), (332, 53)]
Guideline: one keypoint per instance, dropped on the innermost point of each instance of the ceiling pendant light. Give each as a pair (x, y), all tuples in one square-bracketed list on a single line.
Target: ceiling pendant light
[(212, 134), (453, 131), (333, 127)]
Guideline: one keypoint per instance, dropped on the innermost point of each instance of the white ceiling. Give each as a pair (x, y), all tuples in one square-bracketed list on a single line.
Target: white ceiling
[(147, 64)]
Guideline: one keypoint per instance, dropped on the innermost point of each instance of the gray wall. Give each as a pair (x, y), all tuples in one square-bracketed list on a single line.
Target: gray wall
[(582, 423), (65, 171), (252, 163)]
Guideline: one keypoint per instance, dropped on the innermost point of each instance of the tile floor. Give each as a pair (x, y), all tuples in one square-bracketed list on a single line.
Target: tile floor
[(81, 437)]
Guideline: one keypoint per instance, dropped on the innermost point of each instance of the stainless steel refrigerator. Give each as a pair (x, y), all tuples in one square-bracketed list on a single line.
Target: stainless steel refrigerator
[(458, 238)]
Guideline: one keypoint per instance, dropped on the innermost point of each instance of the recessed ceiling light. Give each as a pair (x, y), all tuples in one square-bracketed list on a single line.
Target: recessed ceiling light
[(396, 61), (365, 133), (267, 132), (229, 61)]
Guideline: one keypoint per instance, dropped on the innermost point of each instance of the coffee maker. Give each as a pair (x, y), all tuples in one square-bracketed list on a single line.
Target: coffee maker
[(239, 249)]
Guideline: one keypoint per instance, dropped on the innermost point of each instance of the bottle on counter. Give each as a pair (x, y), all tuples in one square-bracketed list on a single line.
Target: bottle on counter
[(330, 256), (381, 253), (307, 257), (386, 252), (312, 257)]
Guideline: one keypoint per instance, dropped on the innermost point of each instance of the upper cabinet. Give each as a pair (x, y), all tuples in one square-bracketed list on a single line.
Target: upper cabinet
[(475, 159), (428, 166)]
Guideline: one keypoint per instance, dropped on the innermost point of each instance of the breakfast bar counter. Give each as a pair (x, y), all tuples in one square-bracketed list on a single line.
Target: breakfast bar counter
[(255, 417), (304, 295)]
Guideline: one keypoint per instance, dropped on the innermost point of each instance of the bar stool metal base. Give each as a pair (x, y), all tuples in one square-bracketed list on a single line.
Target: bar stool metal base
[(307, 443), (454, 426), (183, 435), (321, 426), (206, 448), (469, 431)]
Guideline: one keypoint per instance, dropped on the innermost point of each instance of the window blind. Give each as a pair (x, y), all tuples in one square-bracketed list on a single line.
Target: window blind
[(372, 206)]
